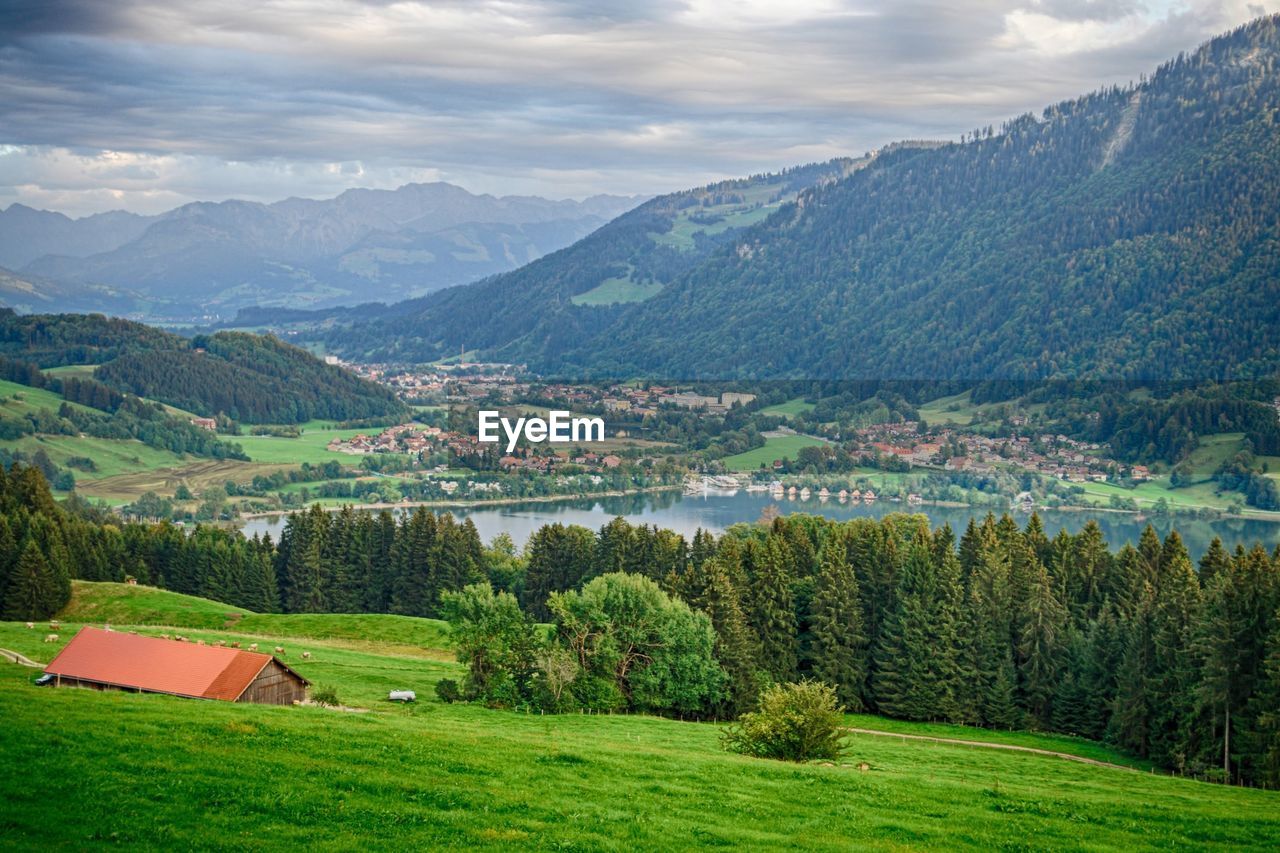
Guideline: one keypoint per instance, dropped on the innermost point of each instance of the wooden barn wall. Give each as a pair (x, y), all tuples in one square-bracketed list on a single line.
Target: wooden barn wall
[(275, 685)]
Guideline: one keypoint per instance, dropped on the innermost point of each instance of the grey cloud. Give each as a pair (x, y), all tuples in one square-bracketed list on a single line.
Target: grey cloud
[(556, 97), (1089, 10)]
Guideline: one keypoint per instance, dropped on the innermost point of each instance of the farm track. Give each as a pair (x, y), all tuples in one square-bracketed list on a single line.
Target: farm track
[(14, 657), (986, 745)]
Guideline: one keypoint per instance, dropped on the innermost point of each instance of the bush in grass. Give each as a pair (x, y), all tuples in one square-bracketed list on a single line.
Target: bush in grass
[(326, 696), (447, 690), (793, 722)]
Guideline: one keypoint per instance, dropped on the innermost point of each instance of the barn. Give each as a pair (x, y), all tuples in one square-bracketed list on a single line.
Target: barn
[(111, 660)]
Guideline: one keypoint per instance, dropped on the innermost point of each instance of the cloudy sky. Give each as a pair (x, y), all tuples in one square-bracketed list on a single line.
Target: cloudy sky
[(146, 105)]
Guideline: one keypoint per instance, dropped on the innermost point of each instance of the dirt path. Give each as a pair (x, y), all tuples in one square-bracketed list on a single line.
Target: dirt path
[(985, 745), (14, 657)]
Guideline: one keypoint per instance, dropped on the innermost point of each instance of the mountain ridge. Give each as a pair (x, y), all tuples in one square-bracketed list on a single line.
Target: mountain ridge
[(212, 257), (1130, 233)]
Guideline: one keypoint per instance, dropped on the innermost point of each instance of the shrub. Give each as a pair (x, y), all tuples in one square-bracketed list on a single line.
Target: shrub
[(793, 722), (326, 696), (447, 690)]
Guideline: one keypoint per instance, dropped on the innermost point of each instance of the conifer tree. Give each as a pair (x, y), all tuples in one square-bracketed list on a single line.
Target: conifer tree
[(989, 684), (1043, 622), (1002, 709), (1218, 689), (1172, 681), (416, 560), (970, 550), (1036, 538), (773, 613), (1264, 741), (8, 552), (735, 647), (31, 592), (914, 666), (839, 645), (1071, 709), (1214, 562), (1104, 654)]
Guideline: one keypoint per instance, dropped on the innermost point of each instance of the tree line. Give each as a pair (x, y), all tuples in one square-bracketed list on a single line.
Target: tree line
[(244, 377), (1006, 627)]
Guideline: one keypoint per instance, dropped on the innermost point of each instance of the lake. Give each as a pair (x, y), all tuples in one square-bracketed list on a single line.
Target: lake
[(715, 512)]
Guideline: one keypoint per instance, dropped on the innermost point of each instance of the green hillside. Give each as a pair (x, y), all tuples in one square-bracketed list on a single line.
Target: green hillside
[(775, 447), (122, 604), (249, 378), (433, 775), (1109, 236), (566, 293)]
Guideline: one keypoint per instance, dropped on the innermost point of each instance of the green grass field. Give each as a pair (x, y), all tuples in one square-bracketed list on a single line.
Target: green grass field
[(791, 408), (614, 291), (155, 771), (163, 479), (120, 604), (734, 215), (112, 457), (775, 447), (956, 409), (1212, 452), (1196, 496), (17, 400), (79, 371), (308, 447)]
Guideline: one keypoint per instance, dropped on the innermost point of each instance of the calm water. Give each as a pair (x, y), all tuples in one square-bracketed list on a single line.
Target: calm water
[(716, 512)]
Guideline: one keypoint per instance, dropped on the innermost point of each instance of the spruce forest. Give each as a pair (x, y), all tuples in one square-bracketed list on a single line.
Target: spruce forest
[(1004, 627), (248, 378)]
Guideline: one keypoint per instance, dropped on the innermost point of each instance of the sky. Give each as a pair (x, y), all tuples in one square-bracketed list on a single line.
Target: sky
[(144, 106)]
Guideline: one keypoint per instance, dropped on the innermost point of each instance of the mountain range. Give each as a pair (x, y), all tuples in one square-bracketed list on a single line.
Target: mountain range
[(1130, 233), (209, 259)]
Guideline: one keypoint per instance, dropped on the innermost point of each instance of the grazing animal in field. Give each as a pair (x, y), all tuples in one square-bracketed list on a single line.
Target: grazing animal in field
[(279, 650), (253, 647), (31, 624), (235, 645), (51, 638), (306, 655), (222, 642)]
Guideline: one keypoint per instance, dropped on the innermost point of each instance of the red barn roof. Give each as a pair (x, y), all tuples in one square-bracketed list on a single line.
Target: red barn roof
[(154, 665)]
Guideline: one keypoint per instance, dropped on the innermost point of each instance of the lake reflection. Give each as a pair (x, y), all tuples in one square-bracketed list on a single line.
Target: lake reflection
[(686, 514)]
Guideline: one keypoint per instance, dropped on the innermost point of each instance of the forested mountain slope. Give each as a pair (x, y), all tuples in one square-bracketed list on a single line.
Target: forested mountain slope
[(249, 378), (1131, 233), (565, 295)]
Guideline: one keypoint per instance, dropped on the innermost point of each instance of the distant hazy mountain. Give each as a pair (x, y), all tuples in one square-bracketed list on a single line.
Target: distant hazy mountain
[(1131, 233), (212, 258), (33, 294), (27, 234), (566, 296)]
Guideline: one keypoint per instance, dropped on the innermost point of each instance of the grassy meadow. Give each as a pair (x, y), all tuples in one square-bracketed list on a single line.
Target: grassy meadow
[(775, 447), (156, 771), (789, 409), (956, 409), (310, 446)]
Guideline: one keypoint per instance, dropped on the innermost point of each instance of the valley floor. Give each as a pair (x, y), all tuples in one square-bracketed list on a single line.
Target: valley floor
[(80, 768)]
